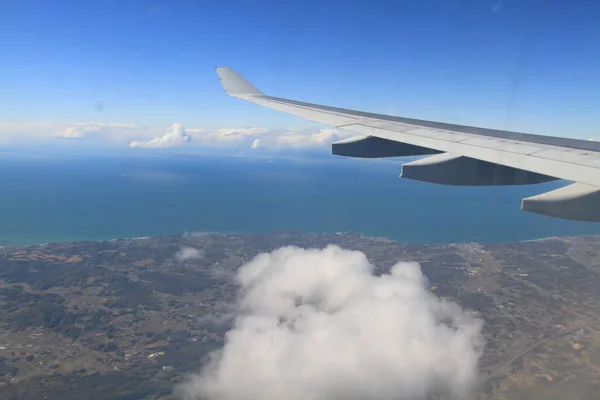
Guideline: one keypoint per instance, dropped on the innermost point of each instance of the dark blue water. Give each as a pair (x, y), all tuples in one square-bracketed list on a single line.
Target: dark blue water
[(83, 198)]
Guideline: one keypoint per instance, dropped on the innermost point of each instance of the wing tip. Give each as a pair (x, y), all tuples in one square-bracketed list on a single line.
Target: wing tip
[(234, 84)]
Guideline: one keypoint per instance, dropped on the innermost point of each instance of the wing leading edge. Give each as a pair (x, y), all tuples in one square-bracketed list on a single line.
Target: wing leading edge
[(458, 155)]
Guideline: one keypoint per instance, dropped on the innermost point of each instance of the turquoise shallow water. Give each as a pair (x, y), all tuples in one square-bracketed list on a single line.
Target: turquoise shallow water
[(93, 198)]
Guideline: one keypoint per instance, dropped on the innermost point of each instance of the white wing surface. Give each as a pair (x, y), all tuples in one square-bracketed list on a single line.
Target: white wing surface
[(459, 155)]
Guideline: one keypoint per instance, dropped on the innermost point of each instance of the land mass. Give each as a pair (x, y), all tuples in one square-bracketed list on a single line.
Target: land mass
[(128, 319)]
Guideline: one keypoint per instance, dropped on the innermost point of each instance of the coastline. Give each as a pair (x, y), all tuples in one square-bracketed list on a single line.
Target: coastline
[(237, 234)]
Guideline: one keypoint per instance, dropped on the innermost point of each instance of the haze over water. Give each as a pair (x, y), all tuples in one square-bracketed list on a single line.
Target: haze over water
[(82, 198)]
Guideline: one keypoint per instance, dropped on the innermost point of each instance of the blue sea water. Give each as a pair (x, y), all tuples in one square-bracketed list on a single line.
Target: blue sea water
[(51, 199)]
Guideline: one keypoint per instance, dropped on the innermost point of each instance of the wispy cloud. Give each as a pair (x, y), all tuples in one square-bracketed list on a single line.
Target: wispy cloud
[(81, 129), (498, 6), (188, 253), (38, 132)]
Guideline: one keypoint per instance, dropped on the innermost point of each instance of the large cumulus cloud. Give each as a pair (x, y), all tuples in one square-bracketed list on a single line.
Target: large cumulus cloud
[(318, 324), (175, 136)]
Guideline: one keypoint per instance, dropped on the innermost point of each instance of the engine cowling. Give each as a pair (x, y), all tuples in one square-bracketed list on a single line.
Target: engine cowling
[(374, 147), (577, 201), (452, 169)]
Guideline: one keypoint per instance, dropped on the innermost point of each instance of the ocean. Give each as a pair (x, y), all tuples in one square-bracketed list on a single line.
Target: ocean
[(51, 199)]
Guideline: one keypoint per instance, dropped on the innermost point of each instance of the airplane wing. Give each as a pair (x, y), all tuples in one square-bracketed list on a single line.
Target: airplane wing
[(458, 155)]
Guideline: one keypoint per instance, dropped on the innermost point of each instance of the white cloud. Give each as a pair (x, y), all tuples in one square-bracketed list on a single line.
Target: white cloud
[(81, 129), (255, 138), (297, 138), (318, 324), (175, 136), (26, 132), (234, 134), (255, 144), (188, 253), (248, 138), (13, 131), (122, 134)]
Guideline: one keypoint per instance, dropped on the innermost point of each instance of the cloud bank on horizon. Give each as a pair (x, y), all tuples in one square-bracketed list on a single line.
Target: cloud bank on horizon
[(138, 136), (319, 324), (252, 138)]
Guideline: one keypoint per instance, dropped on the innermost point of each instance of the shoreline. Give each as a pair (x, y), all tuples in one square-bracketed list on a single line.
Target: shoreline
[(215, 233)]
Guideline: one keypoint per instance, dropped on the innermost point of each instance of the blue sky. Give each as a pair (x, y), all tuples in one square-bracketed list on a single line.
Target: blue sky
[(522, 65)]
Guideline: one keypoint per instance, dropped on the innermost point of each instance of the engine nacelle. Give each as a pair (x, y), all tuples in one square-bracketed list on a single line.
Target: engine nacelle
[(374, 147), (577, 202), (452, 169)]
